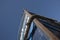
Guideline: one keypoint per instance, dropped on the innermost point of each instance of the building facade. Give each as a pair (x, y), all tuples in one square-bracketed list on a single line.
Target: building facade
[(36, 27)]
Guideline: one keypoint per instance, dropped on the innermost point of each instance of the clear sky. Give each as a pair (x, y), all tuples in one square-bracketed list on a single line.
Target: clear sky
[(12, 10)]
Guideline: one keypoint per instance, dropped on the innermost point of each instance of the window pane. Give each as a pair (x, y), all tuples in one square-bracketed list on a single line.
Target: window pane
[(40, 35)]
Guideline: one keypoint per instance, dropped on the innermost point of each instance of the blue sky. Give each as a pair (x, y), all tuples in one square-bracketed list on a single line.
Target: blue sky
[(12, 10)]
